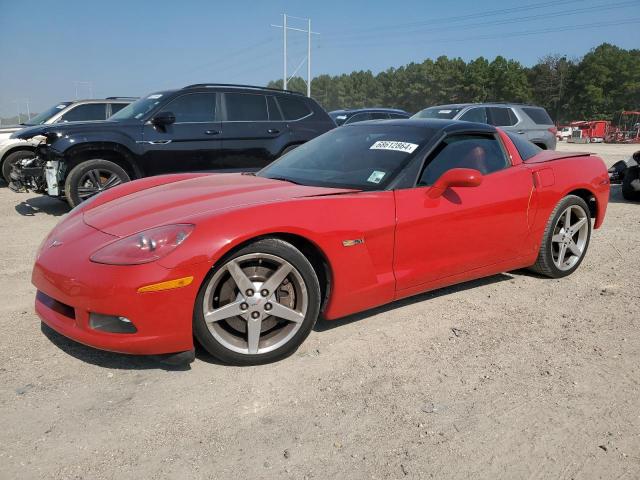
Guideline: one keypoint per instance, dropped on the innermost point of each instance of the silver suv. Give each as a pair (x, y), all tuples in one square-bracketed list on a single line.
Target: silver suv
[(533, 123)]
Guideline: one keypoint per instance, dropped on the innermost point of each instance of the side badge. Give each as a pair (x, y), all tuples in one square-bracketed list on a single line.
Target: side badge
[(351, 243)]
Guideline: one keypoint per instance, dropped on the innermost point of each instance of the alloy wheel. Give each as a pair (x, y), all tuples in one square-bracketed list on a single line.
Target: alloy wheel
[(255, 303), (570, 236), (95, 181)]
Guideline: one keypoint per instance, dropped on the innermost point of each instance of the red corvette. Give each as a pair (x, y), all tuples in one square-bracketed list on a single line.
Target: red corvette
[(360, 216)]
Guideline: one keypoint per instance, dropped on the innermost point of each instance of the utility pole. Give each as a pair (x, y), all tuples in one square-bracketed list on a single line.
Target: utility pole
[(308, 31)]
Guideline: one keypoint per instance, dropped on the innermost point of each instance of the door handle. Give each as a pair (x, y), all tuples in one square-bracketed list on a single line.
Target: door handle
[(273, 130), (520, 132), (212, 132)]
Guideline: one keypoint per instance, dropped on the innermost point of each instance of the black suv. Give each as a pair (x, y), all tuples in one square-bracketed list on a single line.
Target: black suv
[(199, 127)]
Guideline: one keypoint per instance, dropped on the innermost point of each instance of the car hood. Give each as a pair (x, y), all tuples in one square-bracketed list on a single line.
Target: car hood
[(65, 128), (186, 200)]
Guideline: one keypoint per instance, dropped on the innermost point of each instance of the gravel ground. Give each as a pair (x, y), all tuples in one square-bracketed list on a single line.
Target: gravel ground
[(513, 376)]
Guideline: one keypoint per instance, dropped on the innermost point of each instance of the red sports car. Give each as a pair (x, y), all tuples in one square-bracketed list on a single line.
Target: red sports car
[(361, 216)]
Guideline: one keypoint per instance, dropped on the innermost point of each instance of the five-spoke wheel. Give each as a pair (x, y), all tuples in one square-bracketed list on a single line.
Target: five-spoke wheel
[(565, 239), (258, 305)]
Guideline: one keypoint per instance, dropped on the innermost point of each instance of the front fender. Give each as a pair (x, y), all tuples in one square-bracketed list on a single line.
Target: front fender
[(362, 274), (66, 144)]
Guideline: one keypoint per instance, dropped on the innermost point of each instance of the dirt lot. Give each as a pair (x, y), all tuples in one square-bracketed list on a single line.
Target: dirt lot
[(513, 376)]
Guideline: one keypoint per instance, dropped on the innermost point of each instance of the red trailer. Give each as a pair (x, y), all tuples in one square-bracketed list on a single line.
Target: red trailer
[(589, 131)]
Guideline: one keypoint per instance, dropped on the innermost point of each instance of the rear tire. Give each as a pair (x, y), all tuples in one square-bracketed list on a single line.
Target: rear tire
[(628, 192), (11, 159), (563, 249), (92, 177), (270, 321)]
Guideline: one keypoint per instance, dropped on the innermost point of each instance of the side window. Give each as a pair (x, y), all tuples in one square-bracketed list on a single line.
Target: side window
[(480, 152), (358, 117), (246, 107), (85, 113), (500, 116), (478, 114), (398, 115), (274, 111), (193, 108), (116, 107), (293, 108), (379, 116)]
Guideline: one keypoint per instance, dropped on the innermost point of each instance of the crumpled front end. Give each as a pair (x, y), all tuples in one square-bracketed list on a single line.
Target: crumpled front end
[(40, 174)]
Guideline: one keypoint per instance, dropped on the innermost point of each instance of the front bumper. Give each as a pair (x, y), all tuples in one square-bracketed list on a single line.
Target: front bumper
[(72, 287)]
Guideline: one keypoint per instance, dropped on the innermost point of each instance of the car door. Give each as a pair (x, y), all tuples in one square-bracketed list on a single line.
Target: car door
[(253, 130), (467, 227), (505, 118), (191, 143)]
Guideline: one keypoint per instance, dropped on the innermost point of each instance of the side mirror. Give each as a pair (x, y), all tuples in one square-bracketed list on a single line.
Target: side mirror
[(456, 177), (163, 119)]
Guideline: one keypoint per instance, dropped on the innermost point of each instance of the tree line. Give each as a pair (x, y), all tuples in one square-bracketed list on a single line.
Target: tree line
[(603, 82)]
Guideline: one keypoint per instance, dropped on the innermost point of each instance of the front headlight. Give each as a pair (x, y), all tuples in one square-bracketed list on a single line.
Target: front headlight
[(143, 247)]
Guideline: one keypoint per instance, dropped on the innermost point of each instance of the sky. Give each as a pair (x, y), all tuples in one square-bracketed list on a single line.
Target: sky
[(133, 47)]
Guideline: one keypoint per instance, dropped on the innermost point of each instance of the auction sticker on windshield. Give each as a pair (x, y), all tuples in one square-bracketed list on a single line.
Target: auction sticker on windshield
[(394, 145), (376, 176)]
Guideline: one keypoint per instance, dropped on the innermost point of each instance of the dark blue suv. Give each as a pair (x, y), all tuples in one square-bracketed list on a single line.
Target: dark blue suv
[(344, 117), (199, 127)]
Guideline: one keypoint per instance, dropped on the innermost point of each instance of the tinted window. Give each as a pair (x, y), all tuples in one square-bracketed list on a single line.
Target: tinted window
[(86, 112), (139, 108), (379, 116), (525, 148), (359, 117), (398, 115), (538, 115), (293, 108), (480, 152), (274, 111), (246, 107), (365, 157), (195, 107), (499, 116), (438, 112), (116, 107), (478, 114)]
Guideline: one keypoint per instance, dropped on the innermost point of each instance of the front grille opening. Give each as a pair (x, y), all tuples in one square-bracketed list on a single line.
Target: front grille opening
[(111, 323), (58, 307)]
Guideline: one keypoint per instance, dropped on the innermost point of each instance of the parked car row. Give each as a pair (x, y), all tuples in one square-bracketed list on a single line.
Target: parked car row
[(78, 149)]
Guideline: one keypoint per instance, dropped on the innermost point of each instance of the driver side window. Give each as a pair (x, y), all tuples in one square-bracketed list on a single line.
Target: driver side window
[(480, 152)]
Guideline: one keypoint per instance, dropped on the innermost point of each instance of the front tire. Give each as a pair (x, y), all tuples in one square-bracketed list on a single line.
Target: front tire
[(257, 305), (92, 177), (628, 192), (566, 238), (11, 160)]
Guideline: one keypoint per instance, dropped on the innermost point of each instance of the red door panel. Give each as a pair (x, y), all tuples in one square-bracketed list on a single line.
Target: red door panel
[(465, 229)]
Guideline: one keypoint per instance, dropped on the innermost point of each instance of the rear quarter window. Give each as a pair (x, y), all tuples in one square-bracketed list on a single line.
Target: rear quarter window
[(525, 148), (538, 115), (293, 108)]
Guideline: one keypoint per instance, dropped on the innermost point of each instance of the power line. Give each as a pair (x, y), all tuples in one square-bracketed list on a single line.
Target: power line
[(564, 28), (503, 21)]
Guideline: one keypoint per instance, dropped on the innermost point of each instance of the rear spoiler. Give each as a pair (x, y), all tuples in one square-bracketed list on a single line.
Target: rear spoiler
[(550, 155)]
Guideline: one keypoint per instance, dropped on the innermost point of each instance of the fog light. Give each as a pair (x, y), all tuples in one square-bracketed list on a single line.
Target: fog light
[(111, 323)]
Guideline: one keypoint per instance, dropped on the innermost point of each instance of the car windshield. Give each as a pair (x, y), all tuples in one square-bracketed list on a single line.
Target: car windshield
[(361, 156), (438, 112), (338, 117), (47, 114), (139, 108)]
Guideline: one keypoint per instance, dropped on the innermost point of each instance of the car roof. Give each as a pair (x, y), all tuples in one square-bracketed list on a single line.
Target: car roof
[(430, 123), (102, 100), (372, 109), (484, 104), (238, 87)]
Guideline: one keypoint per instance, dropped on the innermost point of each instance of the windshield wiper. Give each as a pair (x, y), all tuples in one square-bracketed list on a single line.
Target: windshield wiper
[(283, 179)]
